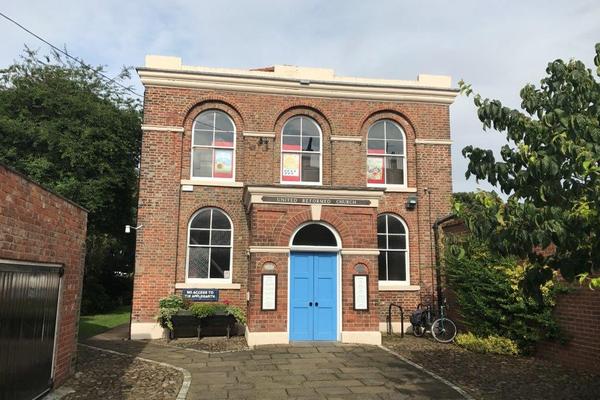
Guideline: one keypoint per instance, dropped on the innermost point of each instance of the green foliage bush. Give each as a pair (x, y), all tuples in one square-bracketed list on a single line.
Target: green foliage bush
[(171, 305), (491, 344), (490, 295)]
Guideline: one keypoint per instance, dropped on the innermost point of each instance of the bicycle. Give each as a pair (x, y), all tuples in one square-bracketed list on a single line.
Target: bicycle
[(443, 329)]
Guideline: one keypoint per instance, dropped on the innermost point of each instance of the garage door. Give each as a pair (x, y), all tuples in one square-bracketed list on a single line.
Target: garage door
[(28, 309)]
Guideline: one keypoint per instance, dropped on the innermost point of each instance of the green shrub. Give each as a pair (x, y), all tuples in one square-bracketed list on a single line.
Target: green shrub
[(490, 344), (172, 301), (169, 306), (202, 310), (490, 297)]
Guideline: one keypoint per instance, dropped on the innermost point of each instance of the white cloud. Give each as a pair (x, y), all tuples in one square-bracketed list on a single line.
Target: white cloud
[(496, 46)]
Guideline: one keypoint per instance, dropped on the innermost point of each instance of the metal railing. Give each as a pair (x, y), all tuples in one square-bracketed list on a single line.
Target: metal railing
[(389, 319)]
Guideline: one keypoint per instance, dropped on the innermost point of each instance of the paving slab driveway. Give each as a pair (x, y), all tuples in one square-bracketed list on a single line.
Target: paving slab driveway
[(316, 371)]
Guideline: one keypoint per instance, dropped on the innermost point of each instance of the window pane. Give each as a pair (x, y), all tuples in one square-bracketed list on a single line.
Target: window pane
[(381, 244), (292, 127), (394, 171), (291, 143), (376, 146), (220, 220), (219, 262), (198, 267), (205, 121), (223, 123), (395, 147), (224, 139), (221, 238), (202, 159), (397, 242), (314, 235), (310, 167), (397, 265), (394, 225), (309, 127), (376, 130), (223, 167), (202, 219), (199, 236), (202, 138), (382, 264), (311, 143), (381, 224), (392, 131)]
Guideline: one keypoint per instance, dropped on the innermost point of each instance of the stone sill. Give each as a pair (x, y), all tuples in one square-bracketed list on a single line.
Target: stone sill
[(397, 287), (205, 182), (208, 285)]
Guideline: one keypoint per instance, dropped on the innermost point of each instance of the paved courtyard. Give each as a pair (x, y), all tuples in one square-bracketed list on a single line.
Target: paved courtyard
[(327, 371)]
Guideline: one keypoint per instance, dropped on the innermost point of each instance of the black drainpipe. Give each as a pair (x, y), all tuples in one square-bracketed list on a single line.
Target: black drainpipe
[(436, 238)]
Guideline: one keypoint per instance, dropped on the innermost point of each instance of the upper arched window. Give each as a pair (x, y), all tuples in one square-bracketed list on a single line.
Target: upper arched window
[(213, 146), (209, 245), (392, 241), (386, 154), (301, 151)]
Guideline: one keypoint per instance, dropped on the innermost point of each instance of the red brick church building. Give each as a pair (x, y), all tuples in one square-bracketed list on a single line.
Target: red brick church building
[(303, 197)]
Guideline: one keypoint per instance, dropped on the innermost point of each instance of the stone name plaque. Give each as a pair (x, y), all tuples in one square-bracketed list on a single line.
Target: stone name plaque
[(311, 200), (361, 296), (269, 292)]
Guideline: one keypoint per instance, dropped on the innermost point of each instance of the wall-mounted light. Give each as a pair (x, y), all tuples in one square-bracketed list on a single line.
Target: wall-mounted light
[(128, 228), (411, 202)]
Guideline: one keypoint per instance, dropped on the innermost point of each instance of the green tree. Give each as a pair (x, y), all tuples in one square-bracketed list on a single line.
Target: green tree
[(550, 171), (78, 134)]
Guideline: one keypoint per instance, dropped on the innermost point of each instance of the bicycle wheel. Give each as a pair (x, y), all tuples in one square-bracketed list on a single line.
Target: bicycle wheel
[(418, 330), (443, 330)]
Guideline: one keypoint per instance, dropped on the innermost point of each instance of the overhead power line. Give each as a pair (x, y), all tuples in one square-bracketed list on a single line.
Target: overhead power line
[(70, 56)]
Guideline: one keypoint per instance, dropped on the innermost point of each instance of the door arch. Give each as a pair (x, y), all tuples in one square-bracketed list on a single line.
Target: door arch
[(314, 282)]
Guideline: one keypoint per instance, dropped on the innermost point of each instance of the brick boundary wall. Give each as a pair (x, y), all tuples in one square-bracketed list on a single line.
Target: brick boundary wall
[(577, 314), (37, 225)]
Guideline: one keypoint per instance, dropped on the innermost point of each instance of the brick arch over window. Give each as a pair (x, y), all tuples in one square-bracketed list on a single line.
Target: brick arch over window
[(191, 114), (288, 225), (410, 136), (326, 131), (392, 115)]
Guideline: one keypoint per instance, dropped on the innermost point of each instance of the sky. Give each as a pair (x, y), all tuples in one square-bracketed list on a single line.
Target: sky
[(497, 46)]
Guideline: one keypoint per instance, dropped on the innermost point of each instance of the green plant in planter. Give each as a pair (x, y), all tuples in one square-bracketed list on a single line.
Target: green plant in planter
[(169, 306), (202, 310)]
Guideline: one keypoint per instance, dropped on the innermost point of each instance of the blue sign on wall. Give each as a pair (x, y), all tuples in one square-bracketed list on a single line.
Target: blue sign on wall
[(201, 294)]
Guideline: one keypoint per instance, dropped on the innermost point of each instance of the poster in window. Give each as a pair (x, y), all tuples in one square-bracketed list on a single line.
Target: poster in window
[(223, 164), (375, 170), (290, 170)]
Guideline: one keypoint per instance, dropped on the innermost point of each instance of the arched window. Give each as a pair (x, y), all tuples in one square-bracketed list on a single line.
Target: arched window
[(392, 241), (386, 154), (209, 245), (301, 151), (213, 146), (314, 235)]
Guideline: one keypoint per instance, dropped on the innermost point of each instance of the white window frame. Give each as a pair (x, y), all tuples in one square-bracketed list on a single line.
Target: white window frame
[(406, 282), (188, 246), (386, 156), (213, 147), (301, 152)]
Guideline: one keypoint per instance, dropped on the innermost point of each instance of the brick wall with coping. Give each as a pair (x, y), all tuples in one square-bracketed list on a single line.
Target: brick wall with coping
[(165, 210), (37, 225)]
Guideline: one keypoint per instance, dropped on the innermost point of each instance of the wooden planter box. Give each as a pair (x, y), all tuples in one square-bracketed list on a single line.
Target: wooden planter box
[(186, 325)]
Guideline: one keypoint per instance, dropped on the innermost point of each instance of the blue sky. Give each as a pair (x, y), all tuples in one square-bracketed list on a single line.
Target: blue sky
[(497, 46)]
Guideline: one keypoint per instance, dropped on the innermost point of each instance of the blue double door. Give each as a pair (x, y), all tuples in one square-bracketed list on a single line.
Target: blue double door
[(313, 296)]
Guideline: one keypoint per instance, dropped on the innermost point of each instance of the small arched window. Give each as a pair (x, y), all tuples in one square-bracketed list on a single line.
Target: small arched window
[(392, 241), (213, 146), (301, 151), (386, 154), (209, 245), (314, 235)]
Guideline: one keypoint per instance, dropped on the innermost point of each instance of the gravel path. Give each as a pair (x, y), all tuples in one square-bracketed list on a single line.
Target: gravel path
[(487, 376), (102, 375)]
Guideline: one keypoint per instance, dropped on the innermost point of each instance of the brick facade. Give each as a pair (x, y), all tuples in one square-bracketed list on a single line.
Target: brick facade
[(39, 226), (165, 209)]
